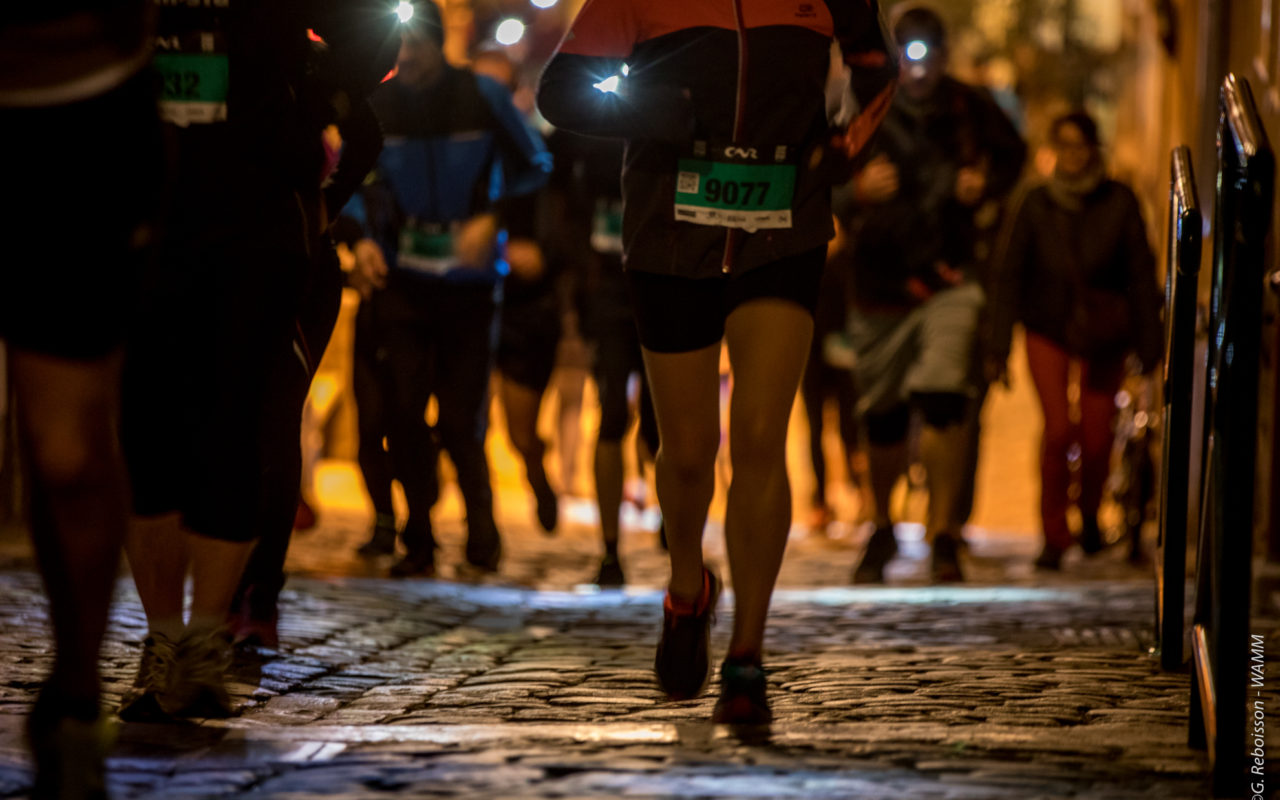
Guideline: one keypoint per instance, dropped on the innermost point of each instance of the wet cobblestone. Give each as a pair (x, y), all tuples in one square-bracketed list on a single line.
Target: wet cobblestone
[(428, 689), (529, 685)]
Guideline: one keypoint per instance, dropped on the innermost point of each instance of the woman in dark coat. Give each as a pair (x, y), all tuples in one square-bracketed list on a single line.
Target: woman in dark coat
[(1076, 269)]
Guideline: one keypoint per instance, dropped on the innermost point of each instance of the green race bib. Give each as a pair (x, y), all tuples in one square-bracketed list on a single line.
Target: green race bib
[(426, 248), (735, 187), (606, 227), (194, 90)]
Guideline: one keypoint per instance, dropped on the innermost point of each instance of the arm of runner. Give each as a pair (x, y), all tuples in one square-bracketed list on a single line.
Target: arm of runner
[(1009, 263), (526, 163), (475, 241), (584, 87), (872, 59), (1006, 151), (361, 144)]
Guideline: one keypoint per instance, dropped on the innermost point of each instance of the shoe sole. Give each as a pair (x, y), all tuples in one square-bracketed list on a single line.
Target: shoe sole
[(145, 708), (205, 705)]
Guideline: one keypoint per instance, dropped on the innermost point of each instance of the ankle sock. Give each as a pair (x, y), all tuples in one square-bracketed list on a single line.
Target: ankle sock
[(685, 609)]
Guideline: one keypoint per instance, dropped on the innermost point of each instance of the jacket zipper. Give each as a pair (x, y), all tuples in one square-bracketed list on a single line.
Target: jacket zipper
[(739, 113)]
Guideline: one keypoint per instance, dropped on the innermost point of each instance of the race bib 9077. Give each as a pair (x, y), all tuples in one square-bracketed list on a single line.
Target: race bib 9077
[(736, 187)]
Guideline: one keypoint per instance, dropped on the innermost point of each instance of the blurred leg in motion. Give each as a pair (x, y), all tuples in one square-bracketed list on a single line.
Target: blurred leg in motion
[(373, 393), (1049, 365), (616, 356), (79, 506), (1100, 380)]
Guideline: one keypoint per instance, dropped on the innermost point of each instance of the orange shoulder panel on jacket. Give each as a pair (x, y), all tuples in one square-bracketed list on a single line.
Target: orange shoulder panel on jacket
[(604, 28), (612, 27)]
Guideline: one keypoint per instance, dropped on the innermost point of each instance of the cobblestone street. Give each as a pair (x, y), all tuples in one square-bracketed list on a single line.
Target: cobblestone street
[(527, 685), (532, 683)]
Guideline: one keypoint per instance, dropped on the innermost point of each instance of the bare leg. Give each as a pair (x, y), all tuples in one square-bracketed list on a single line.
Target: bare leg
[(67, 424), (160, 551), (885, 464), (216, 567), (609, 477), (944, 452), (158, 558), (768, 340), (521, 403), (686, 401), (570, 381)]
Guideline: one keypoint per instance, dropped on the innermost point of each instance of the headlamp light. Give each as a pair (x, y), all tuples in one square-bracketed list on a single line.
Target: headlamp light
[(916, 50), (404, 11)]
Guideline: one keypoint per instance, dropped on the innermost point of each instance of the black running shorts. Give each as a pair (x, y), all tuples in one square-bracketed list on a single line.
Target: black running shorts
[(202, 385), (84, 181), (679, 315)]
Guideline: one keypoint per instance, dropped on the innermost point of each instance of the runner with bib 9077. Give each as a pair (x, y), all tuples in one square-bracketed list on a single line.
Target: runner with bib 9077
[(727, 212)]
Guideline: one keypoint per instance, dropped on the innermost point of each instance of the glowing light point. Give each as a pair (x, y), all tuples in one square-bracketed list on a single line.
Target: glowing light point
[(609, 84), (544, 3), (509, 32), (917, 50), (626, 70), (404, 11)]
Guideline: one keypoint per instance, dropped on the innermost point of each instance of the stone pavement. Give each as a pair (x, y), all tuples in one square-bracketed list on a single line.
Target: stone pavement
[(527, 684)]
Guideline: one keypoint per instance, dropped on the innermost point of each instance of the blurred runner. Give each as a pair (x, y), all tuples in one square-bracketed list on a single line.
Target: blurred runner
[(246, 95), (456, 146), (78, 110), (587, 197), (945, 150), (529, 329), (254, 609)]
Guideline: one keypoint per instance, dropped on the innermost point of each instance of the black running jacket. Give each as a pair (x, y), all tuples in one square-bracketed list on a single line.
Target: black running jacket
[(730, 158)]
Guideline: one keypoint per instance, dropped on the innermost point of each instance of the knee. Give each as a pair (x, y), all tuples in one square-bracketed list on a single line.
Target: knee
[(755, 442), (888, 428), (459, 437), (525, 441), (66, 458), (942, 409), (613, 422), (690, 458)]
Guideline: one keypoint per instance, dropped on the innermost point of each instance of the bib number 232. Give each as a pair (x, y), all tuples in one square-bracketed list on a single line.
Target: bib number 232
[(194, 87)]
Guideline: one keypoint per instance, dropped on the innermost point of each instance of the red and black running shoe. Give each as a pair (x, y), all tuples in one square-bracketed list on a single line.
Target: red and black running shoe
[(683, 662)]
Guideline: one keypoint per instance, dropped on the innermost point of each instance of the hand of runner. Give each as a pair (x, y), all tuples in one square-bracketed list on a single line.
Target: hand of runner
[(525, 258), (475, 241), (878, 181), (370, 270), (971, 184), (996, 370)]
